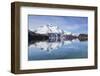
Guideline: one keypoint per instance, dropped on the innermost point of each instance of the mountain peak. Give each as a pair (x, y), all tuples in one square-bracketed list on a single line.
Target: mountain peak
[(48, 29)]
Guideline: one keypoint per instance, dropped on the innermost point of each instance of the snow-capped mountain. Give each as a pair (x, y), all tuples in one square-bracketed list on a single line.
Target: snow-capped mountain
[(67, 33), (48, 29)]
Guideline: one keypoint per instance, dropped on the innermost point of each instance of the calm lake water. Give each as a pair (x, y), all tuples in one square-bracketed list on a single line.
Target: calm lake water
[(44, 50)]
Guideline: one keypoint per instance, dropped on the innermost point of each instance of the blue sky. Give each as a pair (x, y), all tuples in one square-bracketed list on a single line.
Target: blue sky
[(67, 23)]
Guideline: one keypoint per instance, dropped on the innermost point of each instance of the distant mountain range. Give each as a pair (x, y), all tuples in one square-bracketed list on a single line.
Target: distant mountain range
[(53, 33)]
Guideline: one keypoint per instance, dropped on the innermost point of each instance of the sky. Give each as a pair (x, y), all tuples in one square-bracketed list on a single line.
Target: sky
[(71, 24)]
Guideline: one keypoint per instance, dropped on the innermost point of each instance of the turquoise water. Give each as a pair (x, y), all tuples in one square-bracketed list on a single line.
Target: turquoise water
[(58, 50)]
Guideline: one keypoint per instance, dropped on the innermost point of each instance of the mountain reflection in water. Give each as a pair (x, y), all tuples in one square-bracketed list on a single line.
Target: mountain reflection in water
[(52, 44), (49, 49)]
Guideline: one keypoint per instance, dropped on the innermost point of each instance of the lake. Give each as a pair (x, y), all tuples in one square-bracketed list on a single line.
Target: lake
[(46, 50)]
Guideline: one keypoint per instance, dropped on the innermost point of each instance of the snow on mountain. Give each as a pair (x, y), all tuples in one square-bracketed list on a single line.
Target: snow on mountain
[(48, 29), (67, 33)]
